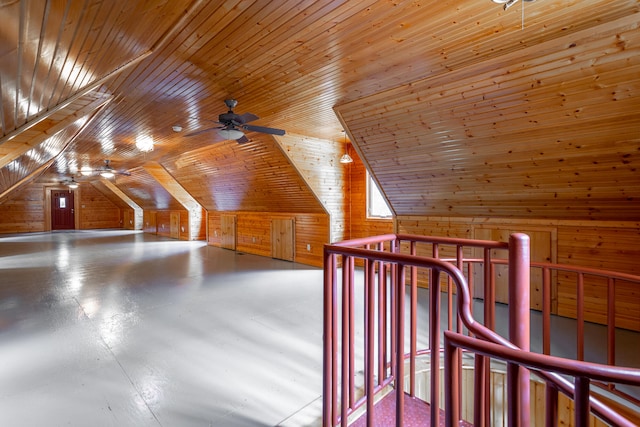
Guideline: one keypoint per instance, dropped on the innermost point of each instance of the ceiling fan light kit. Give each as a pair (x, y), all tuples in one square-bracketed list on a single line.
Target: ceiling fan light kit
[(230, 133), (108, 172), (232, 125)]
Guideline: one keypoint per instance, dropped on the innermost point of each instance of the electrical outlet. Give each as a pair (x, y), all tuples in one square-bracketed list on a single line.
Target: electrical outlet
[(308, 247), (253, 239), (215, 233)]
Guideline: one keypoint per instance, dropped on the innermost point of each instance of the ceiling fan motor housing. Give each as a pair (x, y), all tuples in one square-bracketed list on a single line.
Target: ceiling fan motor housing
[(230, 118)]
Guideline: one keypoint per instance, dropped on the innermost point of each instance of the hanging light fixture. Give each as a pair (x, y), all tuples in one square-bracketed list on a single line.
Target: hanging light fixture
[(86, 171), (107, 174), (346, 158)]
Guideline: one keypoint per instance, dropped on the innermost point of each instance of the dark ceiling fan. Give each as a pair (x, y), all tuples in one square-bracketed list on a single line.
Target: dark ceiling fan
[(231, 125)]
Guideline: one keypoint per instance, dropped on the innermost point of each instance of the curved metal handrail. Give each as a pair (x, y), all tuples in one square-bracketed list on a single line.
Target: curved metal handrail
[(583, 372), (464, 298)]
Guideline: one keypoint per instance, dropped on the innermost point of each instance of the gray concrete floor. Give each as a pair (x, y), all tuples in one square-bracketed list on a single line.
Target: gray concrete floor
[(121, 328), (117, 328)]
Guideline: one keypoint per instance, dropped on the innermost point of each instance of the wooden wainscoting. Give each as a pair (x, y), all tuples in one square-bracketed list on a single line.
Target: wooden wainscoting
[(254, 233), (608, 245), (543, 248)]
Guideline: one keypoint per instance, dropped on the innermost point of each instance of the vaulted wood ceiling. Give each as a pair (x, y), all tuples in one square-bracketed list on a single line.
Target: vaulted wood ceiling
[(456, 107)]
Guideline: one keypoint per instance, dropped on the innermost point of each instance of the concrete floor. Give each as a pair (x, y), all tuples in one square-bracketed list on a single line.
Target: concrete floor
[(118, 328), (121, 328)]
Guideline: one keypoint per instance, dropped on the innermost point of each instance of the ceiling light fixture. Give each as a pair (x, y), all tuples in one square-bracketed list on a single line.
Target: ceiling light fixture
[(144, 143), (86, 171), (230, 133), (346, 158), (107, 174), (72, 184), (177, 128)]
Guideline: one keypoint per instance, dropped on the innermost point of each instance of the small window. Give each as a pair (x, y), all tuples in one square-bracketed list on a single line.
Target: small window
[(63, 202), (376, 205)]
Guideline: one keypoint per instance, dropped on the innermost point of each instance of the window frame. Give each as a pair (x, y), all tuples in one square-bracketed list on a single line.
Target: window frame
[(374, 210)]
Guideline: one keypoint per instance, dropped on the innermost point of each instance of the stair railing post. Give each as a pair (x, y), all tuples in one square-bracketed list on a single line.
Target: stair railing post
[(329, 378), (519, 320)]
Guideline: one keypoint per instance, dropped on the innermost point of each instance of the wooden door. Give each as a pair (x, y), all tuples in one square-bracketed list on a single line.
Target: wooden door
[(150, 222), (62, 210), (174, 224), (283, 238), (228, 231)]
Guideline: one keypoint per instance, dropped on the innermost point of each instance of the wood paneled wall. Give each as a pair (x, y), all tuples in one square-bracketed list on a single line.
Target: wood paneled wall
[(173, 224), (318, 161), (97, 211), (195, 224), (253, 233), (597, 244), (255, 176), (163, 222), (25, 211)]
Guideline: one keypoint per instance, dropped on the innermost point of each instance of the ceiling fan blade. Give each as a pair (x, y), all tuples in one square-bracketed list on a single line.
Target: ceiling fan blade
[(262, 129), (248, 117), (242, 140), (198, 132)]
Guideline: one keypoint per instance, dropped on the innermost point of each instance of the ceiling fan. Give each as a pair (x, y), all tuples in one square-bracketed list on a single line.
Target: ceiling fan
[(105, 171), (231, 125), (70, 182)]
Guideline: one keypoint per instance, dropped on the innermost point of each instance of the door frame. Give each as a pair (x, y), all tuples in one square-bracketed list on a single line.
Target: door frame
[(47, 205)]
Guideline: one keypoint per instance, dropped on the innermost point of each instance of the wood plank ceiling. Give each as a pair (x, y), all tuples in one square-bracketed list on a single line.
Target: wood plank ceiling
[(456, 107)]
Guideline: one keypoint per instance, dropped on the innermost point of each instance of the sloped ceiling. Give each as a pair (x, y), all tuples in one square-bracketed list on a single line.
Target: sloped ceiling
[(255, 176), (518, 139), (457, 107)]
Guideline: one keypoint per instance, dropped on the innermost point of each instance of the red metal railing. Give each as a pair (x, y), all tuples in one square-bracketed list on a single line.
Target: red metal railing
[(583, 373), (384, 352), (581, 275)]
